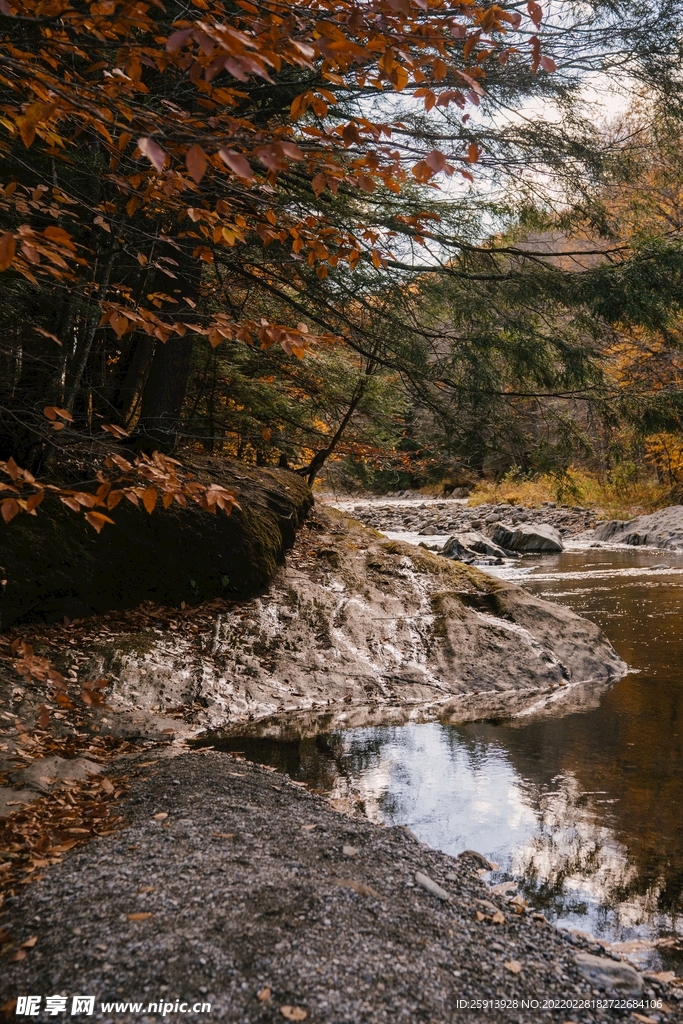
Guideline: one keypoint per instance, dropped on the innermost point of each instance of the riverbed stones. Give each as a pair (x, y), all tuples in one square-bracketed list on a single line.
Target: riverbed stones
[(613, 975), (454, 548), (541, 539), (455, 517)]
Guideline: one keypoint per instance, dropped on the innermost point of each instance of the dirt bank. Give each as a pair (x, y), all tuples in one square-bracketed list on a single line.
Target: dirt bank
[(232, 886)]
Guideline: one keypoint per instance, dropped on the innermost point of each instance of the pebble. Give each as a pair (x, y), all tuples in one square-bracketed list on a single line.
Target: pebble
[(431, 886)]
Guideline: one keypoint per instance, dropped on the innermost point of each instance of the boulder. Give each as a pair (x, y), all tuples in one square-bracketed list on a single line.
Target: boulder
[(474, 541), (537, 539), (55, 565), (614, 975), (662, 529), (455, 549)]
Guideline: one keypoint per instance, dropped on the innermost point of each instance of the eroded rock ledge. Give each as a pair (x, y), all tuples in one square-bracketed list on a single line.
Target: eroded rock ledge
[(357, 628), (354, 629)]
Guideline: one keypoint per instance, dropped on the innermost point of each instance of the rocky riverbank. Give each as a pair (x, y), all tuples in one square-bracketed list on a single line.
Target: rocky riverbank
[(232, 886), (662, 529), (431, 517), (354, 629)]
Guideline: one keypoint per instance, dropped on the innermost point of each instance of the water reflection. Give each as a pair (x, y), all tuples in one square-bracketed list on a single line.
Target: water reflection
[(584, 810)]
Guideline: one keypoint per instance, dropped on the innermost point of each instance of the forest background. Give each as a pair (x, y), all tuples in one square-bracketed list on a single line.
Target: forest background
[(401, 242)]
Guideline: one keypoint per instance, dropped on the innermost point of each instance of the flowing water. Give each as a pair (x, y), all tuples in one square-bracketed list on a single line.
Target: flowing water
[(583, 810)]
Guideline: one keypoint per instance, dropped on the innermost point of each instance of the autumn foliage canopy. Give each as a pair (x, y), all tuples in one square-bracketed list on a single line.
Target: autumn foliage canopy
[(148, 143)]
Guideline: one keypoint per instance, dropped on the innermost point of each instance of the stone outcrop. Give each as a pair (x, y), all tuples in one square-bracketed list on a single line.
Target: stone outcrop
[(662, 529), (471, 543), (538, 539), (357, 628)]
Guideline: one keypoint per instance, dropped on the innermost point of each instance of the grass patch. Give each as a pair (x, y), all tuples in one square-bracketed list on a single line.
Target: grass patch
[(622, 496)]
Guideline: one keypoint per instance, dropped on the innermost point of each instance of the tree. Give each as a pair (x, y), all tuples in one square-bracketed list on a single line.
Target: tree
[(230, 177)]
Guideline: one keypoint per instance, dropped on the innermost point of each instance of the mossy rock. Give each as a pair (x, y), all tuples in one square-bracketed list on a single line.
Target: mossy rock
[(55, 564)]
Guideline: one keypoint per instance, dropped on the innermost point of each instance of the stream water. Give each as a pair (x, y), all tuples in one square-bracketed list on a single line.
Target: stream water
[(583, 810)]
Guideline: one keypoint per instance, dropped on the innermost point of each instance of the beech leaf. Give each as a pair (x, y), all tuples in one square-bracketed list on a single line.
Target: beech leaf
[(9, 509), (7, 250), (236, 163), (149, 499), (97, 520), (196, 161), (153, 151)]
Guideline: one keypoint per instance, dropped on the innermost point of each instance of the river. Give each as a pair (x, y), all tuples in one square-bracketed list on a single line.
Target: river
[(582, 810)]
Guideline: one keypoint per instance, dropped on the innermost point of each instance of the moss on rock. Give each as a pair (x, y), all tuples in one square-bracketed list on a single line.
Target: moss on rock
[(56, 565)]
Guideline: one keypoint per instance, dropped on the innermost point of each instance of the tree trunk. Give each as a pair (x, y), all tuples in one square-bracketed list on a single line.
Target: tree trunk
[(164, 392), (166, 384), (127, 400), (320, 458), (82, 354)]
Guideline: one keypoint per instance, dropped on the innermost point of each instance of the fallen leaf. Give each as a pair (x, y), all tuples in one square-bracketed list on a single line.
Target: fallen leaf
[(161, 816), (146, 888), (224, 835), (513, 966), (308, 828), (480, 917), (7, 1009), (503, 888), (294, 1012), (30, 943), (107, 785), (264, 995), (20, 954), (139, 917), (498, 918)]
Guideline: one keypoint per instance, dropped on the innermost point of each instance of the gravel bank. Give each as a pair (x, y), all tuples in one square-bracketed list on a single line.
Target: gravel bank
[(240, 882)]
